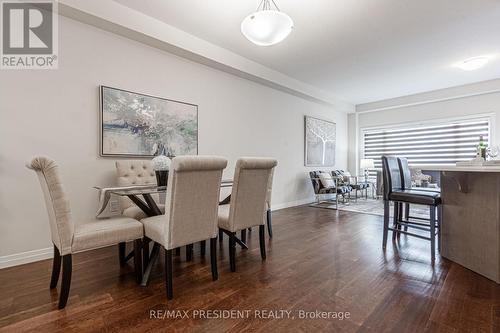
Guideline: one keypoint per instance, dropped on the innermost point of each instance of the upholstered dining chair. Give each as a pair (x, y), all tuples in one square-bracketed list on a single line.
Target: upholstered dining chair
[(249, 203), (135, 172), (268, 212), (69, 238), (268, 205), (191, 209)]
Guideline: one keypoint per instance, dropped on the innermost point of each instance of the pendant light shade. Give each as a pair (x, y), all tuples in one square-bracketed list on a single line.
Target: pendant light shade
[(266, 26)]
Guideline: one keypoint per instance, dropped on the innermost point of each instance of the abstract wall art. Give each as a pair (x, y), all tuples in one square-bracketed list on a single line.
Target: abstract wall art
[(132, 123)]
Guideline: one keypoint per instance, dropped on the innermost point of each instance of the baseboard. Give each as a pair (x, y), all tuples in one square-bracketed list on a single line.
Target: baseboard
[(26, 257), (292, 203), (42, 254)]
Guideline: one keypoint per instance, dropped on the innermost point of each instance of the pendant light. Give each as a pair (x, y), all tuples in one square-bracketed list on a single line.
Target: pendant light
[(268, 25)]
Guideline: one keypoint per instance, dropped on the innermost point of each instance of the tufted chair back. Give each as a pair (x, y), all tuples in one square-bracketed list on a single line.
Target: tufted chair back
[(250, 191), (56, 202), (134, 172), (192, 203)]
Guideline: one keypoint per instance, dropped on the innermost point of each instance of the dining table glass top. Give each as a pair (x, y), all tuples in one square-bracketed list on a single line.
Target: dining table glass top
[(146, 189), (136, 190)]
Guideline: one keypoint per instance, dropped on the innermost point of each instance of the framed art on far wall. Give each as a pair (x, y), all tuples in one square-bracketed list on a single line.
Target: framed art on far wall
[(319, 142), (132, 123)]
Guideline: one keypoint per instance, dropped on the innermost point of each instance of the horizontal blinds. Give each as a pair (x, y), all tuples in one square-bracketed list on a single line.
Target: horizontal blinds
[(439, 144)]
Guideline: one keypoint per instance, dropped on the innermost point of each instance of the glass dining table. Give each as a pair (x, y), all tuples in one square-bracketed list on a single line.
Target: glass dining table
[(150, 207), (134, 192)]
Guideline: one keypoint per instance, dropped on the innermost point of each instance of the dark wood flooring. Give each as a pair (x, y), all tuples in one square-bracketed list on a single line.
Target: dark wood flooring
[(318, 260)]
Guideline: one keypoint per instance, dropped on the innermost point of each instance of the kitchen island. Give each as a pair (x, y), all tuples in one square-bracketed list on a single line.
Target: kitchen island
[(471, 217)]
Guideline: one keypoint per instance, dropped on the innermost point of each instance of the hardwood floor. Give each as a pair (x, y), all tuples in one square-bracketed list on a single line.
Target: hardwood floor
[(319, 259)]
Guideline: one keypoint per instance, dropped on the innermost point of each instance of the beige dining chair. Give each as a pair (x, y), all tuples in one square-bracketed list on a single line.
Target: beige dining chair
[(268, 205), (69, 238), (135, 172), (243, 232), (191, 214), (249, 204)]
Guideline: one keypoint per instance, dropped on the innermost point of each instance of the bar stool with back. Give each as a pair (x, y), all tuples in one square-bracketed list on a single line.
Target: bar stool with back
[(395, 191), (407, 184)]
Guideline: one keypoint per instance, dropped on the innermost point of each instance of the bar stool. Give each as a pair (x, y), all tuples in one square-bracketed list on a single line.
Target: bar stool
[(407, 184), (395, 191)]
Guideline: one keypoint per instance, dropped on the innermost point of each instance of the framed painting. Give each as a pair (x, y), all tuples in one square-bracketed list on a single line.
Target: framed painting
[(319, 142), (133, 124)]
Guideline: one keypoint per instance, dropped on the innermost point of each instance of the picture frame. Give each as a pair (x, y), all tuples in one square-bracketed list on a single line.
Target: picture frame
[(131, 123), (319, 142)]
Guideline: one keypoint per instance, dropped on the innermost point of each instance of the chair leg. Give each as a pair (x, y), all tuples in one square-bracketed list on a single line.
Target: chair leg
[(121, 253), (243, 235), (232, 252), (432, 214), (145, 251), (138, 260), (56, 268), (213, 258), (221, 236), (168, 274), (439, 224), (407, 214), (400, 218), (395, 220), (203, 245), (269, 223), (262, 242), (386, 223), (66, 280), (189, 252)]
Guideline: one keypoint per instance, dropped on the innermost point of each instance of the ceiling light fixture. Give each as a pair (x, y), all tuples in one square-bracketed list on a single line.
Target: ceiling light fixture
[(473, 63), (268, 25)]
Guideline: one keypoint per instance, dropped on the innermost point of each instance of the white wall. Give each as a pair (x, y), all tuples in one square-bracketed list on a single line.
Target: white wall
[(55, 113), (475, 99)]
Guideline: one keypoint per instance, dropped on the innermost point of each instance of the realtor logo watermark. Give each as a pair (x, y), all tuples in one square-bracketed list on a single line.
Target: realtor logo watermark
[(29, 35)]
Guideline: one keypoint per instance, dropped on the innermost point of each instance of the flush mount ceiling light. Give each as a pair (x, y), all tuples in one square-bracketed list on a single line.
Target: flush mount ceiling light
[(268, 25), (473, 63)]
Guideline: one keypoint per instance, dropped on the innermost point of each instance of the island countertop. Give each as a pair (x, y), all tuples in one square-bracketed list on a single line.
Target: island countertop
[(470, 226)]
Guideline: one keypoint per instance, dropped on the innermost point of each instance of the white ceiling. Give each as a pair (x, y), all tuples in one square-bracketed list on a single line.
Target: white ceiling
[(360, 50)]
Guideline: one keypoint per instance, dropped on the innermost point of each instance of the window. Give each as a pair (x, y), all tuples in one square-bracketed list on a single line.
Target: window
[(443, 143)]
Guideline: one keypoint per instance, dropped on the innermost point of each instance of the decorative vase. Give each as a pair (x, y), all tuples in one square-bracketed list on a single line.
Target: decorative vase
[(161, 177), (161, 165)]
